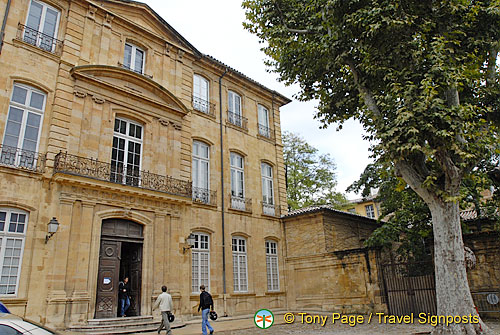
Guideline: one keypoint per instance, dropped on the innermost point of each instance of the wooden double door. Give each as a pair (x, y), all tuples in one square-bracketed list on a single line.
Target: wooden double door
[(120, 256)]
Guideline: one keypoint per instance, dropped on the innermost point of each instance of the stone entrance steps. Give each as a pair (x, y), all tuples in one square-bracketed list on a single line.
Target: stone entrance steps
[(133, 324)]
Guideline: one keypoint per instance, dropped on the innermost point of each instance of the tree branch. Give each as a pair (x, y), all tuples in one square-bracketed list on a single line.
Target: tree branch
[(492, 64), (365, 92), (453, 175), (414, 179), (295, 31)]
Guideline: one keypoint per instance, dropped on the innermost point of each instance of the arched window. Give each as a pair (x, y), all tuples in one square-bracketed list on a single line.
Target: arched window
[(13, 223), (200, 94), (126, 152), (237, 182), (240, 275), (234, 110), (201, 172), (267, 189), (41, 26), (134, 58), (200, 262), (273, 282), (263, 116), (22, 131)]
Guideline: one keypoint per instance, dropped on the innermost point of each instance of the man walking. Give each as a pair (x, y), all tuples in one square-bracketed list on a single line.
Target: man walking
[(164, 301), (206, 306), (123, 289)]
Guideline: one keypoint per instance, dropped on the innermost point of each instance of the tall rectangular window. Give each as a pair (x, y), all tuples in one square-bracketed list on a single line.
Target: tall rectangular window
[(13, 224), (134, 58), (126, 152), (41, 26), (273, 283), (237, 181), (201, 172), (240, 264), (234, 114), (370, 212), (200, 94), (267, 189), (22, 131), (200, 262), (263, 116)]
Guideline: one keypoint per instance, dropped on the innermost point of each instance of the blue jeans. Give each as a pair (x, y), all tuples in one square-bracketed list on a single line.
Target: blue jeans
[(124, 305), (204, 321)]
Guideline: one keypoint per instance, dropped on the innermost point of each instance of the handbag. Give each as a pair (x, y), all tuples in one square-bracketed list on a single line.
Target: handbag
[(171, 316)]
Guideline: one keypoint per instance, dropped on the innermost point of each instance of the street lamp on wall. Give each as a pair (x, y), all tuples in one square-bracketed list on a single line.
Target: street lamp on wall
[(53, 225), (190, 241)]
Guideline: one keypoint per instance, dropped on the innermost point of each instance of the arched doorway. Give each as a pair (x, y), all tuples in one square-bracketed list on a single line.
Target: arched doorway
[(120, 256)]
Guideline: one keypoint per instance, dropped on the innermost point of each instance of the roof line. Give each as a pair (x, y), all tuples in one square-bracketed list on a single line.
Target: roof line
[(200, 54)]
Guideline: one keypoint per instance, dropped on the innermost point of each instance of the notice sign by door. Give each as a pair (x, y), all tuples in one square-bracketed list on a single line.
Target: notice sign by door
[(106, 280)]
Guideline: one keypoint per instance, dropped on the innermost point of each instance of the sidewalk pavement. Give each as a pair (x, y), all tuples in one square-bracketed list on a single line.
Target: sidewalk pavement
[(222, 324)]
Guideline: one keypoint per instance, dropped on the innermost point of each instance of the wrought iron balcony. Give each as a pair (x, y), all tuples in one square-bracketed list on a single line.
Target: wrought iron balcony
[(92, 168), (141, 72), (237, 120), (204, 106), (270, 209), (204, 196), (39, 39), (22, 159), (241, 204), (265, 131)]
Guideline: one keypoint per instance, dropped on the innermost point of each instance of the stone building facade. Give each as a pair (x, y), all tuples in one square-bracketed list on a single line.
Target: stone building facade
[(133, 140), (327, 266)]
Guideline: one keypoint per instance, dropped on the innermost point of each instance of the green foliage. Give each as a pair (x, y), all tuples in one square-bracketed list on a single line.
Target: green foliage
[(419, 75), (405, 218), (310, 176)]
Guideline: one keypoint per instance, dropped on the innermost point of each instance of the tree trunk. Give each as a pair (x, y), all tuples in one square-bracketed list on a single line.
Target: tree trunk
[(452, 288)]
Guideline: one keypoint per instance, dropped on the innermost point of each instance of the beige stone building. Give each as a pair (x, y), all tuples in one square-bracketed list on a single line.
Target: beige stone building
[(133, 140)]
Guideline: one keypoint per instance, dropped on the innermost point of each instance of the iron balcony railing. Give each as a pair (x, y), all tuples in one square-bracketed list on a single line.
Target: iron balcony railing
[(141, 72), (92, 168), (265, 131), (204, 196), (39, 39), (204, 106), (241, 203), (22, 159), (270, 209), (237, 120)]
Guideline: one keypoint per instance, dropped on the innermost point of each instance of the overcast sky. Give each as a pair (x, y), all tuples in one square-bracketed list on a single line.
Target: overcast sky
[(215, 28)]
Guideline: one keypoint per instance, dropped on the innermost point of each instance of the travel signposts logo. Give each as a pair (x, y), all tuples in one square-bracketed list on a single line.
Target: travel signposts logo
[(263, 319)]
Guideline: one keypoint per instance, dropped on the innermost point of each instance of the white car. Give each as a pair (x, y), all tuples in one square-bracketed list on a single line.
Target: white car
[(14, 325)]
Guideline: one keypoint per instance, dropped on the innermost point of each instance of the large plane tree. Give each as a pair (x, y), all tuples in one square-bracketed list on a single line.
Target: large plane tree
[(422, 79)]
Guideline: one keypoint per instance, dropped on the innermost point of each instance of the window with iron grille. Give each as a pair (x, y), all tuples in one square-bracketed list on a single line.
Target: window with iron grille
[(200, 94), (126, 152), (41, 26)]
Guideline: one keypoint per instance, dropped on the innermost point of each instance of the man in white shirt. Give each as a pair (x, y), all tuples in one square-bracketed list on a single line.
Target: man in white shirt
[(164, 301)]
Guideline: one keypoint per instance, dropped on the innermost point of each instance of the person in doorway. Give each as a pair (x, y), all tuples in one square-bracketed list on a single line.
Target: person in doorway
[(123, 291), (206, 306), (164, 301)]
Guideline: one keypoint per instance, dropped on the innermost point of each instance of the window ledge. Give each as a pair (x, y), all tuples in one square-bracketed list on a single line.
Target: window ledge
[(231, 125), (242, 294), (265, 138), (205, 115), (21, 44), (274, 293)]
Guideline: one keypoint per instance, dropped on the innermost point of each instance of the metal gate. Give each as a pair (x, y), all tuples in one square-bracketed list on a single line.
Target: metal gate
[(410, 288)]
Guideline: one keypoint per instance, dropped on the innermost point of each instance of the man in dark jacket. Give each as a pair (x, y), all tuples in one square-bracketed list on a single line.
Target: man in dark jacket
[(123, 289), (206, 306)]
